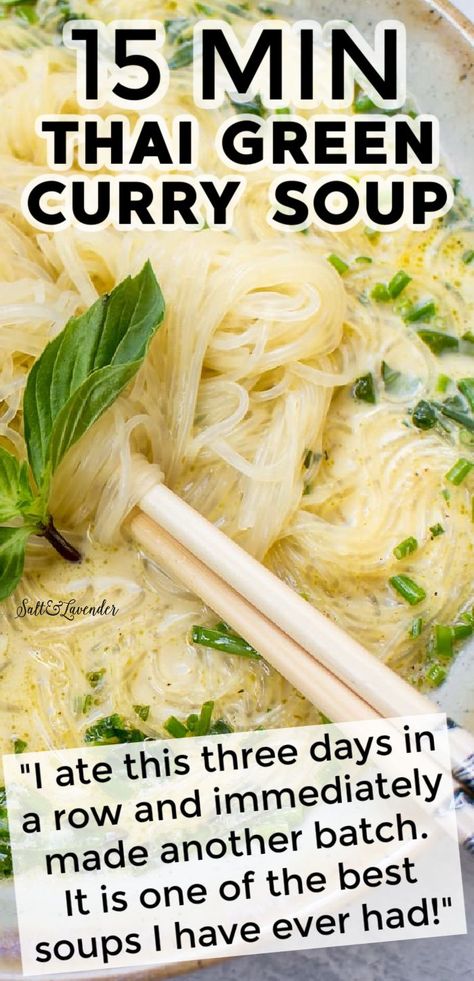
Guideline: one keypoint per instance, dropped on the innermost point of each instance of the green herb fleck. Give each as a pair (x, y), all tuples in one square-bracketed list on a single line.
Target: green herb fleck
[(416, 627), (424, 415), (443, 382), (371, 233), (95, 677), (364, 389), (113, 729), (19, 746), (142, 711)]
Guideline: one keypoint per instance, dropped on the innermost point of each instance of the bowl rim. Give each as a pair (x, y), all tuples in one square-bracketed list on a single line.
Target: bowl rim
[(451, 13)]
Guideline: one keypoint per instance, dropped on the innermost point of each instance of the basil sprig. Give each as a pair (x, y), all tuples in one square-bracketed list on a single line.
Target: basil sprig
[(77, 377)]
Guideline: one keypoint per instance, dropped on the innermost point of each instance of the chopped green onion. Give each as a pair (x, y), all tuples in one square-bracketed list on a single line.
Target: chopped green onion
[(285, 111), (204, 721), (364, 258), (220, 641), (339, 265), (364, 389), (468, 257), (442, 383), (462, 418), (363, 103), (437, 530), (420, 311), (408, 589), (424, 415), (398, 283), (175, 727), (454, 402), (142, 711), (466, 387), (462, 630), (380, 293), (371, 233), (19, 746), (220, 727), (435, 675), (437, 341), (95, 677), (459, 472), (192, 722), (444, 640), (416, 627), (405, 548)]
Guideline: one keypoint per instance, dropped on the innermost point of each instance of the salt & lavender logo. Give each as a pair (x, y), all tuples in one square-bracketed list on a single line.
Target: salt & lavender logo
[(68, 609)]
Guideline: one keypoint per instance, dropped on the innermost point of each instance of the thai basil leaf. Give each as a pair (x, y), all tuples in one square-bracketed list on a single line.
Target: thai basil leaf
[(86, 405), (12, 557), (83, 370), (15, 491)]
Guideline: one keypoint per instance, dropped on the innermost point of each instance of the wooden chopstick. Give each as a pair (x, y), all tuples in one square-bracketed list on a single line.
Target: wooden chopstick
[(311, 678), (374, 683)]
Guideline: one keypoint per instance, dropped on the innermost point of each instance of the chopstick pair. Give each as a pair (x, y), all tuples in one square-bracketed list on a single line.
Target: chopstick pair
[(333, 670)]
